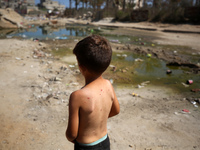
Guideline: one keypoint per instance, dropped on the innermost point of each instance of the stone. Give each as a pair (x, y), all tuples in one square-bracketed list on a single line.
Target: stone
[(10, 19)]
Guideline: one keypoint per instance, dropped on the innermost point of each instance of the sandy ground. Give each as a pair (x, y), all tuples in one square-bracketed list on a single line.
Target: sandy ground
[(34, 92)]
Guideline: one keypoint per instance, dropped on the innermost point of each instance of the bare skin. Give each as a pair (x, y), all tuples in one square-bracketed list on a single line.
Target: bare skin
[(90, 108)]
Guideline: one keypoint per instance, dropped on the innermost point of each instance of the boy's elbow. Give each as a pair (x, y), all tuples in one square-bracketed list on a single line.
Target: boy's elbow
[(114, 113), (70, 137), (117, 111)]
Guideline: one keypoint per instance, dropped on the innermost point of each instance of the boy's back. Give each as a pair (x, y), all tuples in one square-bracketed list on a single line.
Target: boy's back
[(95, 104)]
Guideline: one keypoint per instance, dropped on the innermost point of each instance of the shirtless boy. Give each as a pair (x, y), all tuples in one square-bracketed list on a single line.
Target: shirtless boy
[(91, 106)]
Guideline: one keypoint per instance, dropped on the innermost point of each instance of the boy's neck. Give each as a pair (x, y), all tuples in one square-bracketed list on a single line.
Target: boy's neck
[(91, 77)]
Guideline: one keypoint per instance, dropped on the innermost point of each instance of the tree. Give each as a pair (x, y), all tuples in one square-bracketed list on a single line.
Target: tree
[(156, 3), (124, 4), (197, 2), (96, 4), (70, 4), (99, 3), (76, 4)]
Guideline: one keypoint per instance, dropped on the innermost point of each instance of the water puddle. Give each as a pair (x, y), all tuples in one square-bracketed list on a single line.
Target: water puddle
[(132, 69)]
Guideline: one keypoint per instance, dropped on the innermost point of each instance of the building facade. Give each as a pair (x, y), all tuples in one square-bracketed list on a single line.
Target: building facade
[(52, 5), (16, 3), (21, 6)]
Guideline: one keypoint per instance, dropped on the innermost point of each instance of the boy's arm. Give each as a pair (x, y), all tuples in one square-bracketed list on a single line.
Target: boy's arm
[(115, 109), (73, 119)]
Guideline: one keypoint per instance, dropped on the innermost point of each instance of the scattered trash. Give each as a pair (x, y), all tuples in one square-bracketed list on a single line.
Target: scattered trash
[(115, 41), (75, 40), (111, 66), (124, 71), (24, 36), (114, 68), (91, 30), (38, 53), (74, 84), (46, 96), (18, 58), (36, 39), (64, 101), (176, 113), (135, 95), (185, 111), (71, 66), (124, 55), (55, 79), (186, 85), (145, 83), (138, 59), (195, 90), (189, 81), (152, 44), (149, 55), (168, 71), (63, 68), (8, 36), (193, 102), (139, 86), (61, 38)]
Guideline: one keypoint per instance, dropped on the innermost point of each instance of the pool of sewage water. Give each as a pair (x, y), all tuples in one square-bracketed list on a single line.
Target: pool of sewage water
[(131, 69)]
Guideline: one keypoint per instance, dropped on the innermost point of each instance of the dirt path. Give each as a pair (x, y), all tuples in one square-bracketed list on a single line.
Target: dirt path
[(34, 91)]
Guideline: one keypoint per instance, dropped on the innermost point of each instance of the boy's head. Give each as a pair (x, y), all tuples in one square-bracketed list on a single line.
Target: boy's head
[(94, 53)]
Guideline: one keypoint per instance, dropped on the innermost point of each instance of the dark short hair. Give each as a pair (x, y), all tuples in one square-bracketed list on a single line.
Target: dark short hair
[(94, 52)]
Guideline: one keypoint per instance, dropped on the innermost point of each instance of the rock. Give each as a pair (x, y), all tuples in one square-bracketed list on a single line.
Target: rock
[(124, 71), (10, 19), (55, 79)]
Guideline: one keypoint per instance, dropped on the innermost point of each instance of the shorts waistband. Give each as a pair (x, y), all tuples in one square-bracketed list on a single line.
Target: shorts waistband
[(94, 143)]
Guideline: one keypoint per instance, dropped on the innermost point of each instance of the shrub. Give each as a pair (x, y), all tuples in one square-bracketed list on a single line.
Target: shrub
[(168, 15), (122, 15)]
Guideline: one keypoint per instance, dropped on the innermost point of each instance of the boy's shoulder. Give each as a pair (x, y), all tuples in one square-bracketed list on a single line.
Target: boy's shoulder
[(86, 90)]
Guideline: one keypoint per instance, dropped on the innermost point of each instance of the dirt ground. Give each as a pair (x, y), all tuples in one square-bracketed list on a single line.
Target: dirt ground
[(34, 92)]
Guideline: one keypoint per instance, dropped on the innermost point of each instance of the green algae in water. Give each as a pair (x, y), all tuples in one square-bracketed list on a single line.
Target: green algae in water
[(61, 52), (131, 72)]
